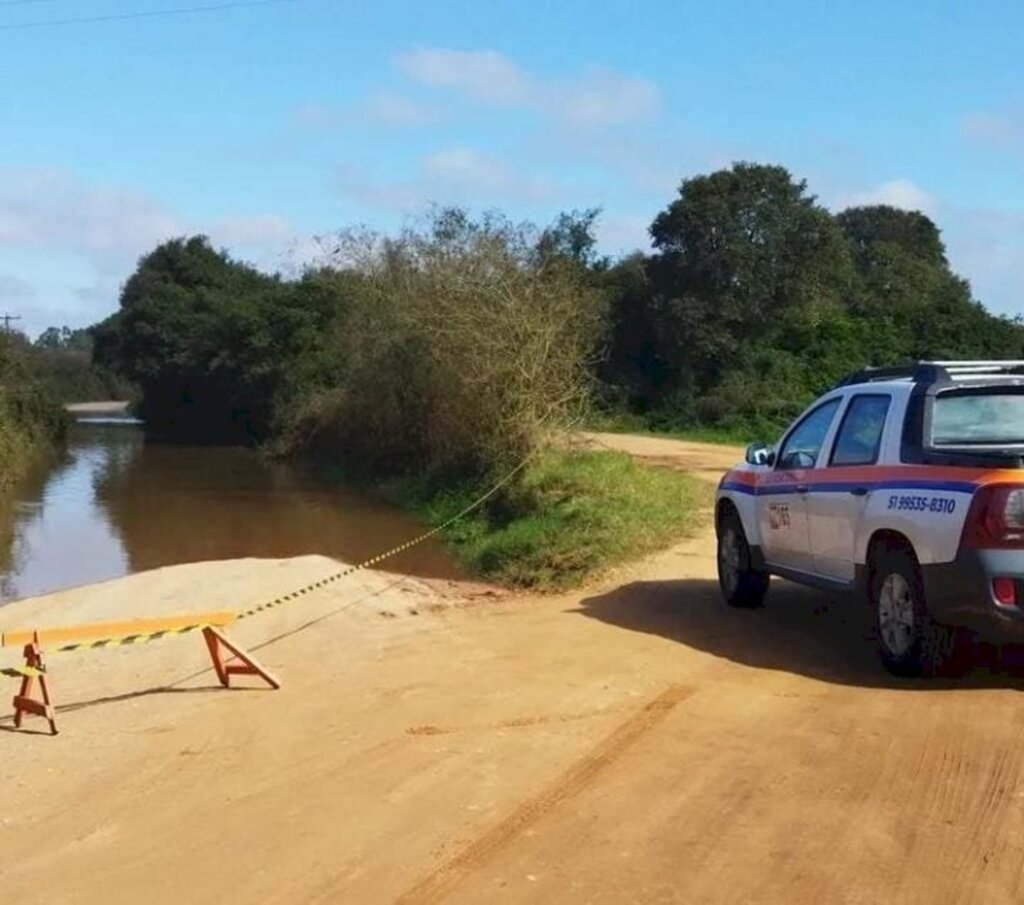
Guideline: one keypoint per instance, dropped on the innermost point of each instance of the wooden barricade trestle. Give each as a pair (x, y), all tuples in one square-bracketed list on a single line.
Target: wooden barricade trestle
[(241, 664), (23, 700), (228, 658)]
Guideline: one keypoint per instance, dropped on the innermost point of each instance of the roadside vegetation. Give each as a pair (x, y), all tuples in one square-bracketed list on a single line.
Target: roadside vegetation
[(756, 298), (32, 421), (63, 359), (436, 359), (574, 514)]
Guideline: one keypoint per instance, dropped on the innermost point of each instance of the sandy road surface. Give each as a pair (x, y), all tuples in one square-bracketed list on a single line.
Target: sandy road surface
[(97, 408), (636, 742)]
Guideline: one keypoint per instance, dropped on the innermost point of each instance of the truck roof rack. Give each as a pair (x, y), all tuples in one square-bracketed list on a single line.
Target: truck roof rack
[(936, 371)]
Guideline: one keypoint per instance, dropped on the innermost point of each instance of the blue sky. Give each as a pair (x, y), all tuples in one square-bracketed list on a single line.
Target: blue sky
[(264, 126)]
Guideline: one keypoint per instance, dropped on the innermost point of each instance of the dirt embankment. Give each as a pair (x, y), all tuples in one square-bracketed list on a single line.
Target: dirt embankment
[(633, 742)]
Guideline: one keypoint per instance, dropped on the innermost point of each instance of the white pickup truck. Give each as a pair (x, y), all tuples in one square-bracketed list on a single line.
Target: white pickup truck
[(902, 485)]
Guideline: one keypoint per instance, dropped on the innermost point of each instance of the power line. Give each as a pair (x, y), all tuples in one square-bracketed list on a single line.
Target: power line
[(137, 14)]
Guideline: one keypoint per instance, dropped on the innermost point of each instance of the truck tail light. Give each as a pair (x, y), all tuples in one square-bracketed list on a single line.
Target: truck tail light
[(996, 518), (1005, 591)]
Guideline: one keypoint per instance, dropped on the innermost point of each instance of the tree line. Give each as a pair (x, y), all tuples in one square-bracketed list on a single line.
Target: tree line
[(457, 344), (756, 298)]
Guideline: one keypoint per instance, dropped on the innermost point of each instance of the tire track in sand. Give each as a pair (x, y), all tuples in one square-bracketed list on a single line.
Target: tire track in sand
[(568, 785)]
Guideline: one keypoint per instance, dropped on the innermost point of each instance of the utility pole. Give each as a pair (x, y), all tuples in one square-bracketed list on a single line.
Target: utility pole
[(7, 318)]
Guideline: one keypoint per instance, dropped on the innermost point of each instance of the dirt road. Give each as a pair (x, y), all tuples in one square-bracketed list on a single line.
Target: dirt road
[(637, 742)]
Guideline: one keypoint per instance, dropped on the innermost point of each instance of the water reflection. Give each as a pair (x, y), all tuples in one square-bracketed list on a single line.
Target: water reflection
[(117, 504)]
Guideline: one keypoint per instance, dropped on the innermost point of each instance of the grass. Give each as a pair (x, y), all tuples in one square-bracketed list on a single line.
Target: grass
[(572, 516)]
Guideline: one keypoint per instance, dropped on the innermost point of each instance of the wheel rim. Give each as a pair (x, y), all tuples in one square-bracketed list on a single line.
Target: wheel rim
[(730, 559), (896, 614)]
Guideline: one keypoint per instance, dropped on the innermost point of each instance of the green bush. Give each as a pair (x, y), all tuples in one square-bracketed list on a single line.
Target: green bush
[(461, 346), (31, 417), (571, 516)]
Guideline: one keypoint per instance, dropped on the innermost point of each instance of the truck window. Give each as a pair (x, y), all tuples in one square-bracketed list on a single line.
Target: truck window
[(860, 433), (805, 440), (989, 416)]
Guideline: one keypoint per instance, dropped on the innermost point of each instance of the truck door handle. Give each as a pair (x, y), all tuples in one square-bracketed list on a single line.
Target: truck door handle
[(859, 491), (802, 488)]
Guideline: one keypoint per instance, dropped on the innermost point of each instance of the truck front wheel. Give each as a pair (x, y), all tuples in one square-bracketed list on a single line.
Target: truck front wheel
[(742, 585)]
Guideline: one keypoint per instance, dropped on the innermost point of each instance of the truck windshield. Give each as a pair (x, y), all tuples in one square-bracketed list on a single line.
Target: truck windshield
[(986, 417)]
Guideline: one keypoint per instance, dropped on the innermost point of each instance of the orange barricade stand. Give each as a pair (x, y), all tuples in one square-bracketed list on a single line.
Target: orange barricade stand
[(228, 658), (23, 700)]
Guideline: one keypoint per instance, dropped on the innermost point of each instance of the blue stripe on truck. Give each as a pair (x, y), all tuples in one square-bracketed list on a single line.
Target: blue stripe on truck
[(847, 487)]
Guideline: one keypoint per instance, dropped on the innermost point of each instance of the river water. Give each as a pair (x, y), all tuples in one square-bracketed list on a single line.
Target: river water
[(117, 503)]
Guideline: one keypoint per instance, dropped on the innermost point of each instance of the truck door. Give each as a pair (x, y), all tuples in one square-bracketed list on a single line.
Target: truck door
[(783, 494), (834, 514)]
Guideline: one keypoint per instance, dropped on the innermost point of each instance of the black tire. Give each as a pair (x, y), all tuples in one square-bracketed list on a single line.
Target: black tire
[(910, 641), (742, 585)]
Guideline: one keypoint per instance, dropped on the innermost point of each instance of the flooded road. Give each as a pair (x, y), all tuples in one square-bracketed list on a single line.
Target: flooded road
[(116, 504)]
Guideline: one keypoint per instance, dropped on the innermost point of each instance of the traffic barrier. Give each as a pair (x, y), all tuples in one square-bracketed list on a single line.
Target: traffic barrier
[(239, 662), (236, 661), (35, 671), (104, 634)]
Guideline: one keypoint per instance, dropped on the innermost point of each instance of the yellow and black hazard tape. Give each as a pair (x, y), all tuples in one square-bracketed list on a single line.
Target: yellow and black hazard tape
[(284, 598), (387, 554), (16, 672), (129, 639)]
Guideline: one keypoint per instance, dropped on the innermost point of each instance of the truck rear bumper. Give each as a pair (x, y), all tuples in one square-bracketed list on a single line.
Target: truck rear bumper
[(959, 593)]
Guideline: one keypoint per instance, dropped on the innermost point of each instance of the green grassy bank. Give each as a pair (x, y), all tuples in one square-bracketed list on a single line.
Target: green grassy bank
[(32, 421), (571, 516)]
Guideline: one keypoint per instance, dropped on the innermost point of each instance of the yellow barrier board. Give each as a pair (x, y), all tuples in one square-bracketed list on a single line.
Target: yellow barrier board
[(115, 630)]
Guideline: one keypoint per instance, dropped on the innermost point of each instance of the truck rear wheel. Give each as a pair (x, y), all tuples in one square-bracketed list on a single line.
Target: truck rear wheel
[(742, 585), (910, 641)]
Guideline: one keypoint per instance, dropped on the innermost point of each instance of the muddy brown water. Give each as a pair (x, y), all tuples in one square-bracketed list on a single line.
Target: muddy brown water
[(117, 503)]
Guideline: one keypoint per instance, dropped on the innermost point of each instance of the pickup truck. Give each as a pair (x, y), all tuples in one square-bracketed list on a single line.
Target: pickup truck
[(903, 486)]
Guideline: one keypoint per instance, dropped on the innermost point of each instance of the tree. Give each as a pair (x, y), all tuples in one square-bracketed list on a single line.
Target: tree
[(64, 338), (757, 298), (916, 306), (208, 340), (572, 237), (462, 348), (750, 270), (911, 231)]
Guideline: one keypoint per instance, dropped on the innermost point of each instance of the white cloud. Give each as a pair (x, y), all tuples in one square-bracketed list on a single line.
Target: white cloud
[(45, 208), (465, 173), (606, 98), (450, 176), (594, 98), (482, 75), (901, 193), (382, 108), (91, 234)]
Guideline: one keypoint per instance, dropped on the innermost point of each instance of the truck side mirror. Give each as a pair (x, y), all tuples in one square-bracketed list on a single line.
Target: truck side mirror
[(759, 454)]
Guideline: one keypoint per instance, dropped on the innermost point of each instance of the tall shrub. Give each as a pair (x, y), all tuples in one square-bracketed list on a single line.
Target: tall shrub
[(462, 344)]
